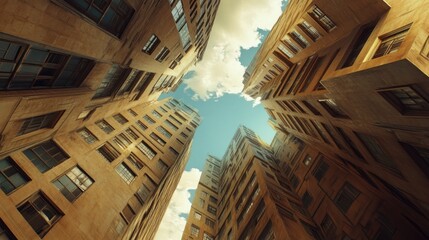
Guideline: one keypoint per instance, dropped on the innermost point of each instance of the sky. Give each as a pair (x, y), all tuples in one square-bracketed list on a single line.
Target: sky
[(214, 87)]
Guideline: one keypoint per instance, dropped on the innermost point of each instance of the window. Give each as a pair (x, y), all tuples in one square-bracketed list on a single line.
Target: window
[(148, 119), (135, 161), (213, 199), (40, 213), (112, 16), (391, 42), (332, 108), (172, 150), (73, 183), (143, 193), (132, 112), (130, 81), (201, 202), (156, 114), (195, 231), (108, 152), (151, 44), (420, 155), (207, 237), (307, 199), (211, 209), (319, 16), (39, 122), (110, 82), (407, 100), (210, 223), (5, 233), (33, 67), (183, 135), (164, 131), (162, 54), (128, 213), (358, 45), (141, 125), (377, 152), (11, 176), (320, 169), (309, 30), (86, 114), (299, 39), (46, 155), (328, 226), (161, 165), (346, 197), (311, 230), (197, 216), (146, 150), (125, 173), (87, 136), (120, 119), (171, 125), (158, 139), (105, 126), (285, 51)]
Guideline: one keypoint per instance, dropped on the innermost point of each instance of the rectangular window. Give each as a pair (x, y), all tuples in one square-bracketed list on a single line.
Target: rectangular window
[(46, 155), (171, 125), (309, 30), (132, 112), (210, 223), (358, 46), (299, 39), (408, 100), (158, 139), (161, 165), (31, 67), (197, 216), (111, 82), (143, 193), (112, 16), (122, 141), (120, 119), (307, 199), (320, 17), (11, 176), (377, 152), (162, 54), (151, 44), (320, 169), (141, 125), (148, 119), (213, 199), (195, 231), (86, 135), (207, 237), (332, 108), (267, 233), (211, 209), (420, 156), (108, 152), (40, 213), (183, 135), (156, 114), (73, 183), (40, 122), (125, 173), (146, 150), (346, 196), (328, 226), (129, 83), (135, 161), (5, 233), (164, 131), (391, 42), (105, 126), (285, 51), (172, 150)]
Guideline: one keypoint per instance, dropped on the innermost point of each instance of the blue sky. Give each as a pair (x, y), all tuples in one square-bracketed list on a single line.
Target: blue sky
[(214, 88)]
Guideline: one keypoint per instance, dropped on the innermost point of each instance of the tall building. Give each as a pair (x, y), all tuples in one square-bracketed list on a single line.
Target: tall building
[(101, 181), (65, 61), (245, 196), (79, 82), (347, 86)]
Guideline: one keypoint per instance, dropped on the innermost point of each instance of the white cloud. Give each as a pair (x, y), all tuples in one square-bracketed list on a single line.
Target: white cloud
[(172, 224), (235, 28), (248, 98)]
